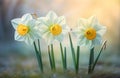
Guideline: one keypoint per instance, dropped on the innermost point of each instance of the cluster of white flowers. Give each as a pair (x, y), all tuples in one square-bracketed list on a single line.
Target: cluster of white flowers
[(89, 32)]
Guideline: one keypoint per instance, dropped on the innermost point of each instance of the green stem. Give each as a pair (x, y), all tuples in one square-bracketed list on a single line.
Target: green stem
[(72, 50), (77, 60), (102, 48), (62, 55), (65, 59), (53, 59), (38, 57), (50, 58), (91, 60)]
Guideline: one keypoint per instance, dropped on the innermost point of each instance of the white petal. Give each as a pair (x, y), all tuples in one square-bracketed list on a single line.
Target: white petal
[(61, 20), (28, 39), (26, 18), (49, 38), (83, 22), (97, 40), (60, 37), (93, 20), (31, 23), (43, 29), (89, 44), (44, 21), (101, 30), (52, 16), (38, 33), (81, 40), (78, 31), (18, 37), (34, 34), (16, 22)]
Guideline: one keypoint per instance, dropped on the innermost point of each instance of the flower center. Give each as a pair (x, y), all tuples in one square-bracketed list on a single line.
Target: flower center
[(90, 33), (22, 29), (55, 29)]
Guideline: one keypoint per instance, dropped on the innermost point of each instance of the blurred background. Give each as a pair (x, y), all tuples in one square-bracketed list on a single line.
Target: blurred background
[(17, 56)]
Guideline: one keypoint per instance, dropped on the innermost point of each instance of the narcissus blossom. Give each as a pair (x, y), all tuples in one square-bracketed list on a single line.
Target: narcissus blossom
[(25, 29), (52, 27), (89, 32)]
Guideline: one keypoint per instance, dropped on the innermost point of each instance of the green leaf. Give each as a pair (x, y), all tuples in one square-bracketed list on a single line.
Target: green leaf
[(102, 48), (91, 60), (77, 59), (65, 59), (53, 59), (62, 55), (50, 58), (38, 57), (72, 50)]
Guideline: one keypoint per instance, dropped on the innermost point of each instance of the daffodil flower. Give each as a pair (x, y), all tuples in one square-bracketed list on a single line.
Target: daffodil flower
[(53, 27), (89, 32), (25, 29)]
